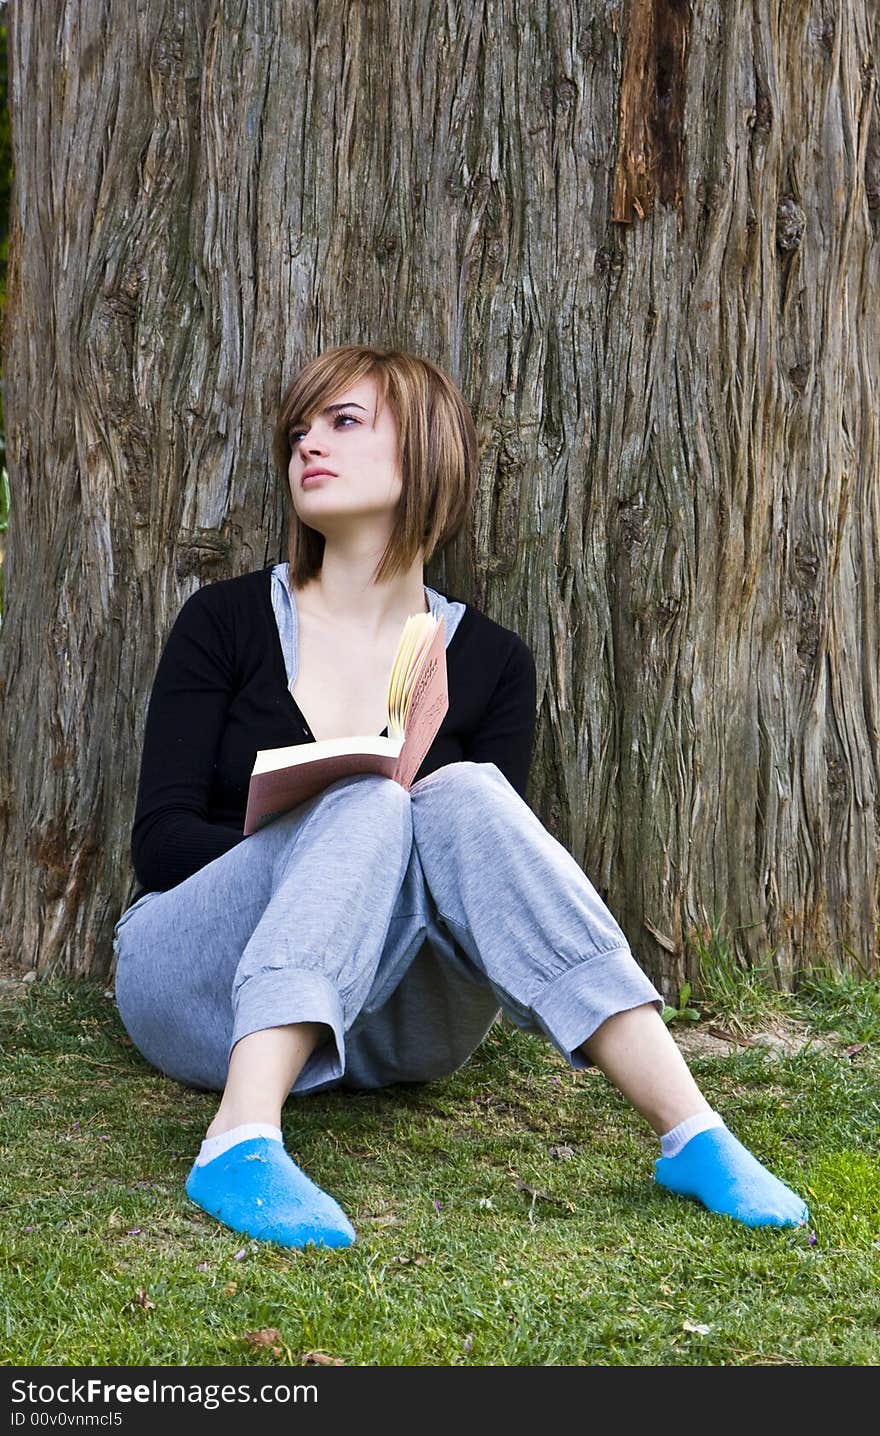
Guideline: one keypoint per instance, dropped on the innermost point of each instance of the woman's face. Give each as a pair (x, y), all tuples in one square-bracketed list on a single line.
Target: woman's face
[(361, 477)]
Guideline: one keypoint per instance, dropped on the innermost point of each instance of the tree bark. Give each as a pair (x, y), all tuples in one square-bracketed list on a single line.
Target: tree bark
[(643, 238)]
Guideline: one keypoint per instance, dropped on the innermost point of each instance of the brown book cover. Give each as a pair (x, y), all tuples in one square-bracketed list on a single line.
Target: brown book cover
[(417, 701)]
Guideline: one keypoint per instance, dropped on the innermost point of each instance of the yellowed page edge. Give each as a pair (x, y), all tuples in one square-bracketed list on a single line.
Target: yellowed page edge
[(418, 632)]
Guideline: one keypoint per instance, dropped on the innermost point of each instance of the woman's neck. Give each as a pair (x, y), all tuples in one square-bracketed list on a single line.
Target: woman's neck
[(348, 598)]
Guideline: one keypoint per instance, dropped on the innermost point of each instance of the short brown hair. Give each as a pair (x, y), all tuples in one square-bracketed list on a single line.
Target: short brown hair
[(438, 450)]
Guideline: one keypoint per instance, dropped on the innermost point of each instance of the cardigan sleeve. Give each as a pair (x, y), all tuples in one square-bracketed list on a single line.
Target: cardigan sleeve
[(506, 733), (172, 836)]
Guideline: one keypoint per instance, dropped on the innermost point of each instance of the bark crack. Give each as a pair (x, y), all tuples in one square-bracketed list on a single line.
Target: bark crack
[(650, 151)]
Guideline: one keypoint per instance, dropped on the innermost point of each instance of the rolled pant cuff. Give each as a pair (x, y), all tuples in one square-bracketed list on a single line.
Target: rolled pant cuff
[(574, 1005), (278, 996)]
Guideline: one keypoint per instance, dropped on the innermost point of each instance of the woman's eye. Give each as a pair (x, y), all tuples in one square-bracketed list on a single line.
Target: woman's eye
[(295, 435)]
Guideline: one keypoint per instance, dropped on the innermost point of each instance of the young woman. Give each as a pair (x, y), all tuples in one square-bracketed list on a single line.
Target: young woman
[(371, 935)]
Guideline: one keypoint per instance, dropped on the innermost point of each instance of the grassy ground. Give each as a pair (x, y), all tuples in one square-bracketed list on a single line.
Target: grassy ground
[(506, 1216)]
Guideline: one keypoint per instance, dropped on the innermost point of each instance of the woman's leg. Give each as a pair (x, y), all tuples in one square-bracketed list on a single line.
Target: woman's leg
[(297, 924), (522, 909), (532, 923), (636, 1051), (249, 975), (699, 1157), (262, 1071)]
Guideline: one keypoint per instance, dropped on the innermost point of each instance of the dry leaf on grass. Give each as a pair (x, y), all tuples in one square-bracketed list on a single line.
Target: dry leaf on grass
[(142, 1300), (320, 1358), (268, 1338), (533, 1191), (738, 1038)]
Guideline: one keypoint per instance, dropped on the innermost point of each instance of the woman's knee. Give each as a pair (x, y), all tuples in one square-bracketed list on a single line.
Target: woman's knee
[(356, 808), (467, 798), (463, 777), (375, 789), (379, 800)]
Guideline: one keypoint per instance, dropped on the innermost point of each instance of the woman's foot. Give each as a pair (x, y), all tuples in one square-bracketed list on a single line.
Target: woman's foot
[(255, 1188), (716, 1169)]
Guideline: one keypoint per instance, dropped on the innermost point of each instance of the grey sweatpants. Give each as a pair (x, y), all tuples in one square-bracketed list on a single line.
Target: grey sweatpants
[(402, 920)]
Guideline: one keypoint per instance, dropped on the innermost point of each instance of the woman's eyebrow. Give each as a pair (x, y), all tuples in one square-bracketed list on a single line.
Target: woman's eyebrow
[(332, 408)]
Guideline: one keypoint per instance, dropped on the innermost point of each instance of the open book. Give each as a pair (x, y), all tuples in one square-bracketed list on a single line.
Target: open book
[(416, 702)]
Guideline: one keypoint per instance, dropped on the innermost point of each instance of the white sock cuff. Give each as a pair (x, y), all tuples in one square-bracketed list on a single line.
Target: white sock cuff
[(672, 1142), (215, 1146)]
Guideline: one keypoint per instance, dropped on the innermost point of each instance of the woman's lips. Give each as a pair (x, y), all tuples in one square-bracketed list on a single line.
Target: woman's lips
[(311, 479)]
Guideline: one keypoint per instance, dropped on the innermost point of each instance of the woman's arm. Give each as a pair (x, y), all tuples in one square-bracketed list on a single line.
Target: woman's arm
[(172, 837), (507, 732)]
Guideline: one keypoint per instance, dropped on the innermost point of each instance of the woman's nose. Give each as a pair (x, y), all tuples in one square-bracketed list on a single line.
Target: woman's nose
[(304, 447), (312, 443)]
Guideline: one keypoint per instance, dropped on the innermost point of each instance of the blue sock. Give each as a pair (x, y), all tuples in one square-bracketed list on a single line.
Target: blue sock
[(255, 1188), (722, 1174)]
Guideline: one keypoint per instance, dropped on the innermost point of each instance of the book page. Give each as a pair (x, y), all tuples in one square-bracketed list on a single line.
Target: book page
[(429, 702), (268, 760), (411, 679), (417, 633)]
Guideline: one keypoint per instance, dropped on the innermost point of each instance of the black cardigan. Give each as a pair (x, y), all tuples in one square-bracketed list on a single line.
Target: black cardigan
[(220, 694)]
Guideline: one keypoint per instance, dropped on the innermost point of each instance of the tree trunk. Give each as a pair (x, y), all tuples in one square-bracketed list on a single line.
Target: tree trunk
[(643, 239)]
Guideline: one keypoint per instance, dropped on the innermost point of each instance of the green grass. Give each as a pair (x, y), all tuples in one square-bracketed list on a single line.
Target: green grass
[(735, 995), (850, 1007), (506, 1215)]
